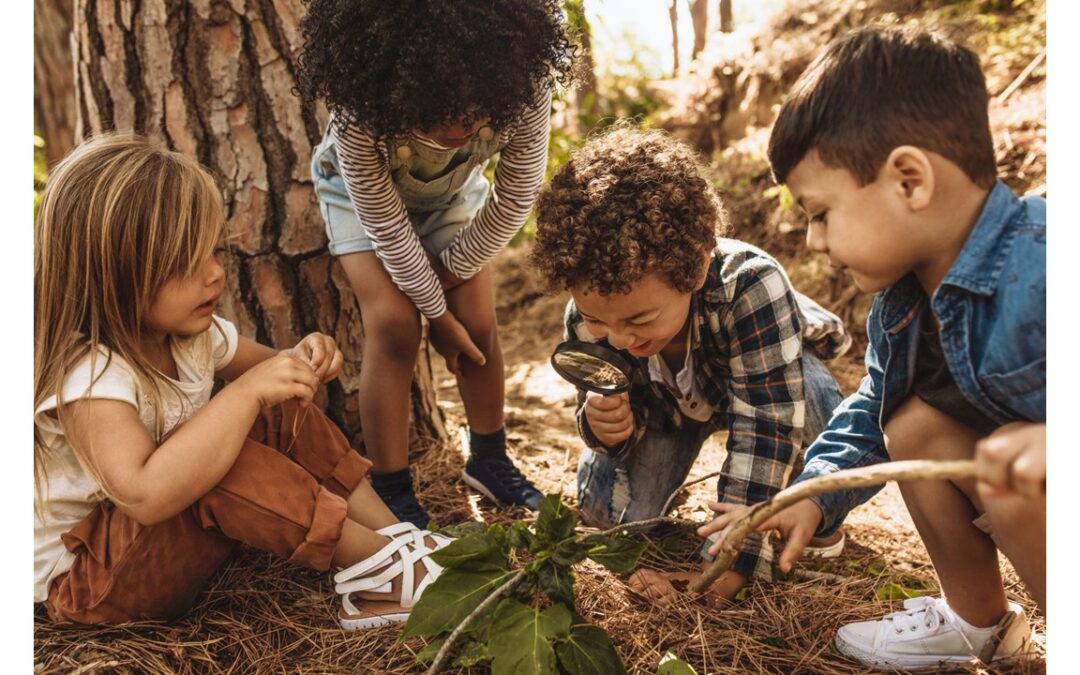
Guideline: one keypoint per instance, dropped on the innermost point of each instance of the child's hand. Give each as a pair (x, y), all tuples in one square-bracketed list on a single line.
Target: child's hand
[(452, 341), (1012, 460), (663, 588), (796, 524), (278, 379), (610, 417), (321, 353)]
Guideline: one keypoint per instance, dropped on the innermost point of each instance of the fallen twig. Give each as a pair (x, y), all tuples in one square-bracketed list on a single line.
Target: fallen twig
[(841, 480), (1021, 78)]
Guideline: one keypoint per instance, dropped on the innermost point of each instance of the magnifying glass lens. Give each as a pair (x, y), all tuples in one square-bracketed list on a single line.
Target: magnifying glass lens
[(586, 369)]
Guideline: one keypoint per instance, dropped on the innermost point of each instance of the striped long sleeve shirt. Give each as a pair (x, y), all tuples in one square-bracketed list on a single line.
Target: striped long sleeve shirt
[(518, 175)]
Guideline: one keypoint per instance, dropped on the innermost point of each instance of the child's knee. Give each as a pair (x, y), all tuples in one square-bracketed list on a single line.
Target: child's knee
[(916, 430), (394, 337)]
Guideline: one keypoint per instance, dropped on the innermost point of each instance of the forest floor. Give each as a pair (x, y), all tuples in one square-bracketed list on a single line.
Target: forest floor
[(263, 615)]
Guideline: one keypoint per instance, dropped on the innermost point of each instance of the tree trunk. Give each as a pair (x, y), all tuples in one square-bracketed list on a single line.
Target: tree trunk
[(699, 14), (727, 21), (213, 79), (673, 15), (585, 69), (54, 77)]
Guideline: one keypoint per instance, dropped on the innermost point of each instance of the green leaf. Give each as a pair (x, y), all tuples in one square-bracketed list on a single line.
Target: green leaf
[(569, 552), (743, 594), (558, 582), (472, 653), (474, 552), (673, 665), (450, 599), (462, 529), (429, 652), (520, 637), (895, 591), (588, 651), (498, 534), (617, 554), (556, 520), (520, 536)]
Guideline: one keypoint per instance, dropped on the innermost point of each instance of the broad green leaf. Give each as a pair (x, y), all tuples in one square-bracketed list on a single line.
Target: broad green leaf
[(569, 552), (556, 520), (472, 653), (462, 529), (673, 665), (520, 638), (520, 536), (498, 534), (588, 651), (450, 599), (558, 582), (473, 552), (428, 653), (615, 553)]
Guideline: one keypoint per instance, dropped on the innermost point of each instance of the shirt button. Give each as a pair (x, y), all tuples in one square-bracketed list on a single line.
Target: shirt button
[(485, 133), (404, 152)]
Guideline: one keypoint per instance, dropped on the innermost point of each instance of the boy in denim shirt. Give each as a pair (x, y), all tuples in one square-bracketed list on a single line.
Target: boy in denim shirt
[(720, 339), (885, 143)]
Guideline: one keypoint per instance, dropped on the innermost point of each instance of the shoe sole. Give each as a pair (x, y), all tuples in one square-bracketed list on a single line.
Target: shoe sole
[(830, 551), (917, 664), (372, 621), (479, 487)]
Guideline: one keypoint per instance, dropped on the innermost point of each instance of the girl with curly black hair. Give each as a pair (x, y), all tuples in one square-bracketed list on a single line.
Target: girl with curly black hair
[(422, 94)]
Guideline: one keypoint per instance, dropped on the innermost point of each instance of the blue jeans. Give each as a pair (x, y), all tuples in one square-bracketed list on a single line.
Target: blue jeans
[(638, 487)]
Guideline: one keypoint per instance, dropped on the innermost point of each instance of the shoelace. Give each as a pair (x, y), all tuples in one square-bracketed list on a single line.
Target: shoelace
[(927, 614), (508, 474)]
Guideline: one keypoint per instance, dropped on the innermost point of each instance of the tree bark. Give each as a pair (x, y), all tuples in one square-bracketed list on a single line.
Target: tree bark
[(699, 14), (54, 77), (673, 16), (213, 79), (727, 21)]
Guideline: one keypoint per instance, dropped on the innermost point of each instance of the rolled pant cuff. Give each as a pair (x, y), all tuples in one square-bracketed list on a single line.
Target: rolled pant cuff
[(347, 474), (317, 549)]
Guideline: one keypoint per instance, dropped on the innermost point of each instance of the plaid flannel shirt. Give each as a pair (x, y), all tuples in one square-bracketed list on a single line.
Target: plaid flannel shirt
[(749, 330)]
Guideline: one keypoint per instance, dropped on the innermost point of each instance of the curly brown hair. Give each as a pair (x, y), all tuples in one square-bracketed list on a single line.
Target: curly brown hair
[(628, 203)]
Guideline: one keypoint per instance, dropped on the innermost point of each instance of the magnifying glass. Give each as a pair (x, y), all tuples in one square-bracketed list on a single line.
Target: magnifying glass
[(593, 366)]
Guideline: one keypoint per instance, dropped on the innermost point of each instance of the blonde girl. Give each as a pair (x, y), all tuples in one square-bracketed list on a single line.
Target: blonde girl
[(144, 484)]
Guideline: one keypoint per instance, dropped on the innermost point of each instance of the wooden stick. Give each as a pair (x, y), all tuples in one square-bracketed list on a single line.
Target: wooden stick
[(1021, 77), (841, 480)]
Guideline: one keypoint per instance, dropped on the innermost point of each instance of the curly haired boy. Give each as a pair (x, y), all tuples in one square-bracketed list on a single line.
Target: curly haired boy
[(723, 342), (422, 94)]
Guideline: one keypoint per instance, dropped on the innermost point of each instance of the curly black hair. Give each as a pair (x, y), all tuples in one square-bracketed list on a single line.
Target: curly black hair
[(392, 66), (626, 204)]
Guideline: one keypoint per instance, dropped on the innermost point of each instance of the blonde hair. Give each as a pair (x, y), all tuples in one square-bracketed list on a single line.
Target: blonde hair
[(119, 218)]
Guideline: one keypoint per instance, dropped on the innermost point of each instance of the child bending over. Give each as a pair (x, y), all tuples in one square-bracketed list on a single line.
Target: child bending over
[(144, 484), (720, 339), (422, 95), (885, 143)]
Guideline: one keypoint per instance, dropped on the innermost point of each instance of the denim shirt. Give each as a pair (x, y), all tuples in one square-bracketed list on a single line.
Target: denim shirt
[(992, 310)]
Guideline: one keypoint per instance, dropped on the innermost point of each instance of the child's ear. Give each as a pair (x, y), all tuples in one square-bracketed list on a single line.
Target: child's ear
[(908, 168)]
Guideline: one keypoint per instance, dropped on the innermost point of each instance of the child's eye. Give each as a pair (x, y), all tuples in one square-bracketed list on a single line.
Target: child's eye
[(819, 218), (220, 251)]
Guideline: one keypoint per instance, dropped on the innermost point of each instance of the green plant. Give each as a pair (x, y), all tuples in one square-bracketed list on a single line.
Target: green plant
[(522, 620), (41, 171)]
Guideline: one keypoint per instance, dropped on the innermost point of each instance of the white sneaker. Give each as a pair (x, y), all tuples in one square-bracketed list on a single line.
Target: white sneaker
[(927, 633)]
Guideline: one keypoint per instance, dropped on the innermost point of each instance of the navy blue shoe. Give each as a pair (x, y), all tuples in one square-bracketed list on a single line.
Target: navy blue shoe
[(404, 505), (499, 480)]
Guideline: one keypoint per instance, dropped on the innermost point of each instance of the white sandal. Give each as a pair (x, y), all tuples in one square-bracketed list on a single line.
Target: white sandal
[(376, 572)]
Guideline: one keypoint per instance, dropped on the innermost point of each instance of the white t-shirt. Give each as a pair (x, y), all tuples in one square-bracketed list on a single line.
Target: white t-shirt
[(692, 402), (71, 492)]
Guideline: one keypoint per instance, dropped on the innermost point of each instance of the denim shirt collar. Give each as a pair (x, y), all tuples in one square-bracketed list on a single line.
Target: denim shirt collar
[(979, 264)]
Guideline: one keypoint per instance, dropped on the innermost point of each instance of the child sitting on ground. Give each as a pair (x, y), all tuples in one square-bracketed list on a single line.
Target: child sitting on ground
[(422, 95), (721, 340), (885, 143), (144, 484)]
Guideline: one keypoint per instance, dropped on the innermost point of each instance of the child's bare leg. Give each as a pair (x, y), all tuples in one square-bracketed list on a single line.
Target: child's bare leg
[(964, 557), (482, 387), (1019, 527), (391, 341), (366, 509)]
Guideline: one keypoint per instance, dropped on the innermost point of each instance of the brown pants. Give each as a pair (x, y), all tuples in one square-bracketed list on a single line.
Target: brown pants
[(290, 505)]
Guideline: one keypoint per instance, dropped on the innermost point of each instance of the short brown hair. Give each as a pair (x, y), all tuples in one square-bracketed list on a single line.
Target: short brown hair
[(628, 203), (881, 87)]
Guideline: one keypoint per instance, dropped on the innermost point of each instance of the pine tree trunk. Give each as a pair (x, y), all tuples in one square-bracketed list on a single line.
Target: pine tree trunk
[(54, 78), (673, 16), (213, 79), (699, 14), (727, 21)]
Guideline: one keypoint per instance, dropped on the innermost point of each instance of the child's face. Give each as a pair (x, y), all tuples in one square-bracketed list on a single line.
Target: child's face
[(642, 321), (868, 230), (185, 305), (453, 134)]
